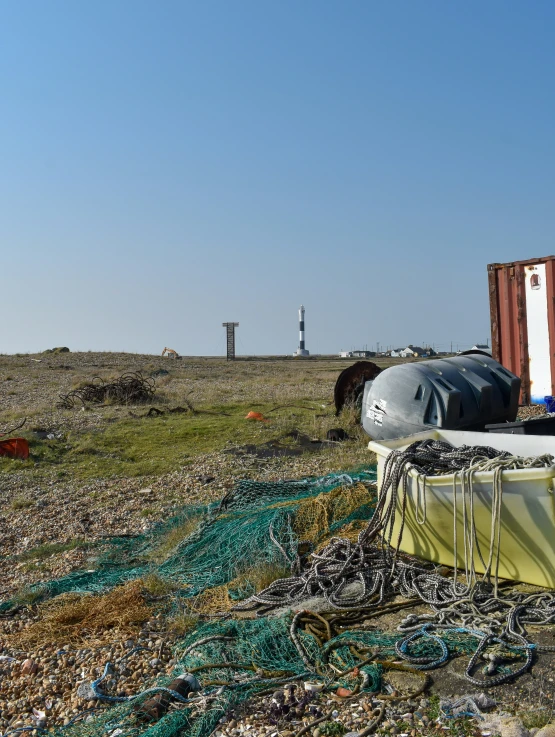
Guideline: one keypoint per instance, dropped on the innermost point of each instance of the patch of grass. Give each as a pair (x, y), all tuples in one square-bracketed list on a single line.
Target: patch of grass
[(332, 729), (47, 549), (27, 596), (21, 502), (125, 443), (535, 719), (147, 512), (182, 623), (156, 585), (434, 708), (171, 539), (33, 566), (460, 727), (262, 575), (147, 446)]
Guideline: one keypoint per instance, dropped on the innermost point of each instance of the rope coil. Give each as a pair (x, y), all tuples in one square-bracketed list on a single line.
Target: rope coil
[(351, 576)]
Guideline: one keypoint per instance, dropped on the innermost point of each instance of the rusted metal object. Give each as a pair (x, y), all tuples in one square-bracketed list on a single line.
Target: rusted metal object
[(522, 313), (154, 709), (350, 384)]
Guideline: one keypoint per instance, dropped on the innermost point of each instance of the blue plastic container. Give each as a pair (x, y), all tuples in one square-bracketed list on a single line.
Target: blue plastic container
[(549, 404)]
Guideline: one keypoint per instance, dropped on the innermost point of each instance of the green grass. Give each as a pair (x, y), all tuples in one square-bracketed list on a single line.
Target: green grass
[(145, 446), (47, 549), (157, 586), (536, 718), (27, 596), (127, 444), (20, 502), (460, 727), (332, 729)]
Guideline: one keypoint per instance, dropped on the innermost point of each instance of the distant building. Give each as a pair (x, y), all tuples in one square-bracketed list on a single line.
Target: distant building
[(363, 354), (414, 351), (481, 347), (357, 354), (395, 353)]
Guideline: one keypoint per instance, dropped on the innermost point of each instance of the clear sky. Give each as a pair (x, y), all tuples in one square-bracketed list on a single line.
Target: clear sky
[(168, 166)]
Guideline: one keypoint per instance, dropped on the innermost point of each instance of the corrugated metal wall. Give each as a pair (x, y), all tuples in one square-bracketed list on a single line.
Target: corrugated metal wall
[(523, 329)]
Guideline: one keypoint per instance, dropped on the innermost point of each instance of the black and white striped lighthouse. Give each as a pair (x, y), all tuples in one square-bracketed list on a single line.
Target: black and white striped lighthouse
[(301, 351)]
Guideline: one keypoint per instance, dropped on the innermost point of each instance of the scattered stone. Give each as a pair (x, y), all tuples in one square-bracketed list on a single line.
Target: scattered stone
[(547, 731), (505, 726), (483, 701), (29, 667)]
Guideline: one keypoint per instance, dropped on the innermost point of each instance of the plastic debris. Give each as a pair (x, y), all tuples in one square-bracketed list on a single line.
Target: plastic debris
[(256, 416), (343, 693), (471, 705), (15, 448)]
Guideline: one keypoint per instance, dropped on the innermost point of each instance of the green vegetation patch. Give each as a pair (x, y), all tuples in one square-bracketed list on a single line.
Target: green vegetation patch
[(47, 549), (144, 446)]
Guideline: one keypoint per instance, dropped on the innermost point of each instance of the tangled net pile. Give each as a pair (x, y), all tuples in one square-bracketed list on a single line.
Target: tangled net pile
[(291, 525), (130, 388), (205, 547), (237, 660), (270, 523)]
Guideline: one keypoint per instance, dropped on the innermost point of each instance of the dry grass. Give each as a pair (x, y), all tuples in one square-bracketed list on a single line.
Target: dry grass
[(182, 623), (261, 576), (20, 502), (157, 586), (77, 619), (173, 538)]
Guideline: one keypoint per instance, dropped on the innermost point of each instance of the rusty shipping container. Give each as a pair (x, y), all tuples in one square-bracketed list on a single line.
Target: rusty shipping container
[(522, 310)]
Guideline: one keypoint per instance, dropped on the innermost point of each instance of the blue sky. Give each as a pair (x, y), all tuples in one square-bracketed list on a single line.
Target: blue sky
[(168, 166)]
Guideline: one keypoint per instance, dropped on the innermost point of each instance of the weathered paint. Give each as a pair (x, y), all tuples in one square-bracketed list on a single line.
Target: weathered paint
[(538, 332), (522, 311)]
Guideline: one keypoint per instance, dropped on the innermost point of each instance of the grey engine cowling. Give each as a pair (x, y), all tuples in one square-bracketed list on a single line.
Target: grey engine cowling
[(460, 393)]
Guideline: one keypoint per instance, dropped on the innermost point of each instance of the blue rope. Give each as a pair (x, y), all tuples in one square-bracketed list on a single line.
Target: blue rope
[(154, 689), (423, 663)]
